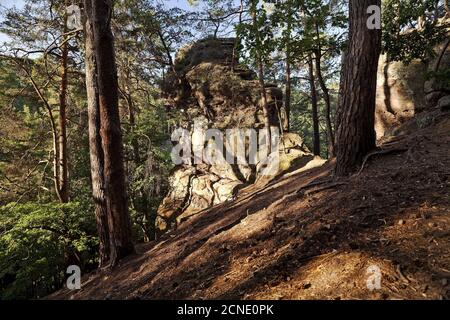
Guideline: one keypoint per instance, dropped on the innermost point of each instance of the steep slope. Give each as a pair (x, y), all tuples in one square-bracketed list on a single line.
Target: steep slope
[(307, 236)]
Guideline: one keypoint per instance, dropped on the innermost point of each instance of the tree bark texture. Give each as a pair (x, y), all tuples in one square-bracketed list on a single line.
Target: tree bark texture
[(355, 135), (119, 222)]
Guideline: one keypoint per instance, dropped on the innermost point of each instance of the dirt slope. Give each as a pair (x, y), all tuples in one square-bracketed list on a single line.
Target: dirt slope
[(297, 240)]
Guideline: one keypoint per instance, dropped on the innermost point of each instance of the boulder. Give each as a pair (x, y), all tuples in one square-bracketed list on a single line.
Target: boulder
[(399, 93), (439, 83), (210, 89), (444, 103), (404, 90), (432, 98)]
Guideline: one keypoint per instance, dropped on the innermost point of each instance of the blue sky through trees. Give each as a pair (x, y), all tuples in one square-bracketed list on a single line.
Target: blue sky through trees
[(183, 4)]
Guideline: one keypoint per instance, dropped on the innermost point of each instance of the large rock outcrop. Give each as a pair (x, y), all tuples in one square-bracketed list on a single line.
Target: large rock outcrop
[(399, 92), (403, 91), (210, 89)]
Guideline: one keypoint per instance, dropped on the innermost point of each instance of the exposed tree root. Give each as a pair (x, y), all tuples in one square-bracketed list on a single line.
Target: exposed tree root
[(312, 184), (328, 186), (400, 273), (382, 151)]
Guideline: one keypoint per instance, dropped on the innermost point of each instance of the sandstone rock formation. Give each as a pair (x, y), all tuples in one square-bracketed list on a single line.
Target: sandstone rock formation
[(437, 84), (210, 89), (405, 90), (399, 91)]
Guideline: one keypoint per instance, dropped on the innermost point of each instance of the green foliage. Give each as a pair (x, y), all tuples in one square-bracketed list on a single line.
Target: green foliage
[(23, 129), (147, 177), (257, 34), (301, 119), (403, 38), (37, 243)]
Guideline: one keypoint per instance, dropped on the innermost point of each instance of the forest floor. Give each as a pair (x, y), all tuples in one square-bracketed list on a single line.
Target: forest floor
[(307, 236)]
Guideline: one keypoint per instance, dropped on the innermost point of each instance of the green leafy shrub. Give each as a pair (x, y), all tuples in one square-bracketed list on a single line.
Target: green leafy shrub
[(37, 243)]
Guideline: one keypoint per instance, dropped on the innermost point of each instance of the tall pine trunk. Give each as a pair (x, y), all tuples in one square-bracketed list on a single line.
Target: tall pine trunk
[(262, 85), (287, 76), (95, 142), (62, 156), (315, 113), (259, 61), (54, 129), (119, 223), (355, 135), (287, 94), (131, 111), (326, 97)]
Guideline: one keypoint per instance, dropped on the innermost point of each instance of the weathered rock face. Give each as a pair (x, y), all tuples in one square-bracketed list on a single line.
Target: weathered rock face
[(405, 90), (212, 90), (207, 87), (399, 91)]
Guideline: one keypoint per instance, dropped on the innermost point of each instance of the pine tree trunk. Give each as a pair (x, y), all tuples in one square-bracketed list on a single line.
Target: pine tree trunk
[(236, 40), (62, 157), (355, 135), (326, 97), (287, 93), (132, 117), (114, 173), (315, 113), (134, 141), (95, 142), (262, 85), (55, 140)]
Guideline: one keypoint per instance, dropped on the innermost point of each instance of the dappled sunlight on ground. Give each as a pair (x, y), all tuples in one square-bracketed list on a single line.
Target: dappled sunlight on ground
[(307, 236)]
